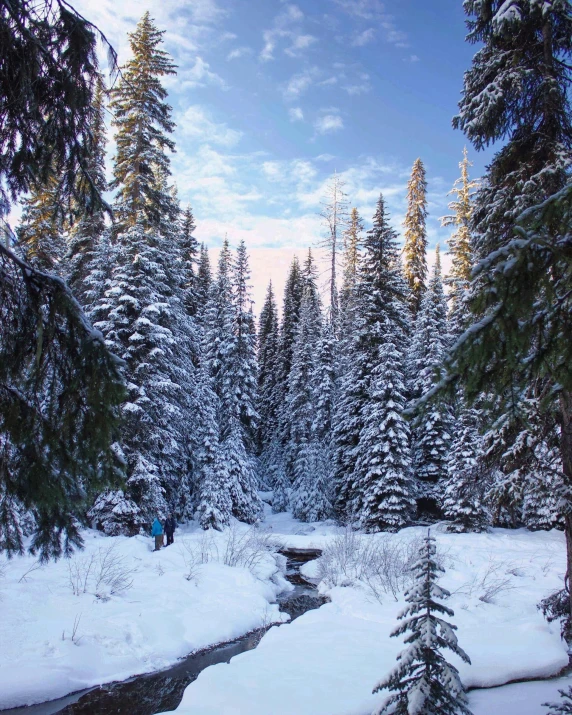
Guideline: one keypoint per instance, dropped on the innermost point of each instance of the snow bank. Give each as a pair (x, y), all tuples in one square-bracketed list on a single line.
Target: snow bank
[(327, 661), (162, 617)]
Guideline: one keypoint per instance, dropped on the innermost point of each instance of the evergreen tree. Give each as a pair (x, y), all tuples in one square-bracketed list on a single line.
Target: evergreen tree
[(290, 316), (143, 121), (383, 490), (189, 247), (516, 91), (432, 428), (352, 244), (460, 247), (229, 354), (86, 252), (464, 490), (244, 376), (40, 233), (204, 279), (268, 344), (415, 249), (562, 708), (424, 683), (382, 316)]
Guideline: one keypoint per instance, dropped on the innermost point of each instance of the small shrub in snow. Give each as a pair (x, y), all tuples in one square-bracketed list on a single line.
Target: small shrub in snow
[(424, 683), (382, 565), (562, 708), (246, 548), (101, 573)]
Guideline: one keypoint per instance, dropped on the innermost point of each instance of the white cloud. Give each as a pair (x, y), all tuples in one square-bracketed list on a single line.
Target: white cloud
[(199, 75), (299, 83), (285, 26), (196, 123), (328, 123), (374, 10), (413, 58), (355, 89), (325, 157), (329, 81), (239, 52), (296, 114), (364, 38), (299, 42)]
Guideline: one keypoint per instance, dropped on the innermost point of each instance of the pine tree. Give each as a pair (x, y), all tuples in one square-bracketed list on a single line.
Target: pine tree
[(424, 683), (143, 121), (415, 249), (517, 91), (382, 316), (460, 247), (352, 245), (268, 344), (85, 264), (432, 428)]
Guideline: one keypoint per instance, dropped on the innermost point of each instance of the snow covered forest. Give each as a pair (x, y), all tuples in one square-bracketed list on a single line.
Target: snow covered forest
[(138, 379)]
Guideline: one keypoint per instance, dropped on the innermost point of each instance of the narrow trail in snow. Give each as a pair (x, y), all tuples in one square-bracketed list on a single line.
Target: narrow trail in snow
[(163, 690)]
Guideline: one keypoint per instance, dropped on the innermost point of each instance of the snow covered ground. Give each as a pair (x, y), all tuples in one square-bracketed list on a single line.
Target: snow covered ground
[(324, 663), (161, 618), (327, 661)]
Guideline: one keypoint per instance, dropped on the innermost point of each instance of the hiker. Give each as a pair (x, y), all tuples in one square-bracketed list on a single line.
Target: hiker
[(170, 526), (157, 532)]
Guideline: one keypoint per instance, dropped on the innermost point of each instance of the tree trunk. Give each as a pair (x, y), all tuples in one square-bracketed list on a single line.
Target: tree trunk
[(566, 455)]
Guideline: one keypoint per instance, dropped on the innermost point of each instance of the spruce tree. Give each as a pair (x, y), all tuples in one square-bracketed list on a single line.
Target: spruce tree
[(293, 291), (203, 280), (41, 231), (142, 313), (189, 247), (424, 683), (460, 247), (85, 261), (464, 490), (143, 121), (562, 708), (516, 91), (432, 427), (244, 375), (415, 249), (230, 356), (382, 316), (383, 491), (268, 344)]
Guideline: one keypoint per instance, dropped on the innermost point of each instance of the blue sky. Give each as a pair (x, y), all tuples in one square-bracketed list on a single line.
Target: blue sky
[(271, 97)]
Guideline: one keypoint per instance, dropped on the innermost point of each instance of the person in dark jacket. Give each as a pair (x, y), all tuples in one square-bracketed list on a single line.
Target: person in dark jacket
[(170, 526), (157, 532)]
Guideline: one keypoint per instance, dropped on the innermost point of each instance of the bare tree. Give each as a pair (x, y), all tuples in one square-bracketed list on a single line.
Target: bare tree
[(335, 218)]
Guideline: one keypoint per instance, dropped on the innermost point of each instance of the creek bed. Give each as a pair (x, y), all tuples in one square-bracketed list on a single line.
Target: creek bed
[(163, 690)]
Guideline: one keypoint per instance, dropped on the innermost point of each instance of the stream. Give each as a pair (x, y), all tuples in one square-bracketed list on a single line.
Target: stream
[(163, 690)]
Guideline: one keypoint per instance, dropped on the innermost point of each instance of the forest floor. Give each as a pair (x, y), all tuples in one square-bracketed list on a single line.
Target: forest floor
[(210, 587)]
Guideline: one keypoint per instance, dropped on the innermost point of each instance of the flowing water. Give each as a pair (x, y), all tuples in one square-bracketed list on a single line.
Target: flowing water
[(163, 690)]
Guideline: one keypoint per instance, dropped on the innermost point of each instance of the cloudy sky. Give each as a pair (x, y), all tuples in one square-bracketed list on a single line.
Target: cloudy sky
[(272, 97)]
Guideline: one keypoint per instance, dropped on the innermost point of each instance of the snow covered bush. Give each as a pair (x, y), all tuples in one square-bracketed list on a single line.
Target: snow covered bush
[(236, 547), (380, 565)]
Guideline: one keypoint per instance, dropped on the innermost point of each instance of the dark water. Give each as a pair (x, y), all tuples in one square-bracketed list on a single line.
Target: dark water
[(163, 690)]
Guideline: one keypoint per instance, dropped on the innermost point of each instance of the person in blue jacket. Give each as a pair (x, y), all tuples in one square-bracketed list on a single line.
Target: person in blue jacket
[(157, 532)]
